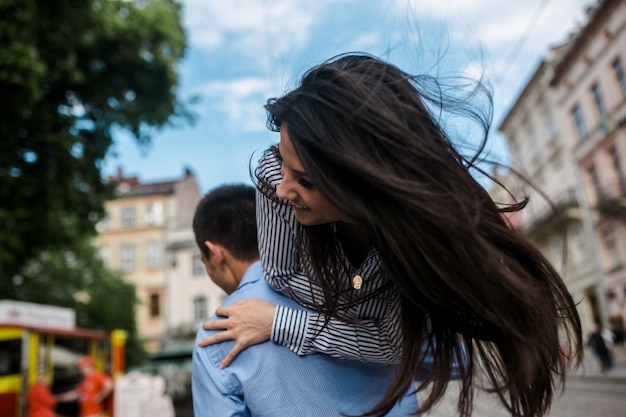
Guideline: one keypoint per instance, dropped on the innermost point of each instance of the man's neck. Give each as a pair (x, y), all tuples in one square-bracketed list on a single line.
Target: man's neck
[(239, 268)]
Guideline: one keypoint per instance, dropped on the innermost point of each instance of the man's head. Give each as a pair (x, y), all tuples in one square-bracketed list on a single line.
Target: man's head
[(224, 225), (86, 364), (43, 378)]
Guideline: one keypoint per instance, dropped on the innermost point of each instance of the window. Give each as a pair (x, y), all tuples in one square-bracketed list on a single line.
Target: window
[(105, 255), (155, 305), (127, 257), (197, 266), (597, 97), (128, 217), (578, 248), (580, 123), (154, 214), (615, 160), (610, 245), (619, 75), (200, 308), (10, 356), (153, 252), (595, 181), (617, 166)]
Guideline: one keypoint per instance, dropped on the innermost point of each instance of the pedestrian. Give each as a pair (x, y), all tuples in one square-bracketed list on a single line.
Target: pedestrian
[(597, 341), (268, 379), (617, 327), (371, 217), (92, 392), (41, 402)]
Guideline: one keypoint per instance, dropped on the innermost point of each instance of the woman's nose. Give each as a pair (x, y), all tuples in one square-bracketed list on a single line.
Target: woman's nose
[(283, 190)]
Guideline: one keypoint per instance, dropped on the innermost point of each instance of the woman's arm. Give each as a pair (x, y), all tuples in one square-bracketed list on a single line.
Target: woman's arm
[(249, 322), (367, 340), (373, 339)]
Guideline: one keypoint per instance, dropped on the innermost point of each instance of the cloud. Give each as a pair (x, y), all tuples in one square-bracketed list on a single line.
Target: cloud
[(498, 25), (239, 101), (275, 37), (250, 28)]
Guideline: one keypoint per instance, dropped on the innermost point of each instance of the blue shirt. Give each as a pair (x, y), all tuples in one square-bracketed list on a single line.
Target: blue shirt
[(270, 380)]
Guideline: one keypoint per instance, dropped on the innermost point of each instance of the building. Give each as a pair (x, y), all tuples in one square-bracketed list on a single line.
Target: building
[(147, 236), (543, 153), (590, 87)]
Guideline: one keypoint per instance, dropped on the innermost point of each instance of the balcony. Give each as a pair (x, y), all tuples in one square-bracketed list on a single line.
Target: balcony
[(611, 198), (564, 208)]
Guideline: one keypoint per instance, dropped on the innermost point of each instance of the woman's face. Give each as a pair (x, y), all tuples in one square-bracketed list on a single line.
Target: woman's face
[(310, 207)]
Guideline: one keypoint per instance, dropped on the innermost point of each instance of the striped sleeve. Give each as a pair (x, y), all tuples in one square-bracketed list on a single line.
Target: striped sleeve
[(289, 328), (368, 340)]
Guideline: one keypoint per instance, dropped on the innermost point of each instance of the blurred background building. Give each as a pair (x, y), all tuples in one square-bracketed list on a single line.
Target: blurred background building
[(567, 133), (148, 236)]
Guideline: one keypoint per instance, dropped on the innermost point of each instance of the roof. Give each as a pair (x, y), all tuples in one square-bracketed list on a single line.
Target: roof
[(76, 332), (596, 16), (131, 186), (128, 189)]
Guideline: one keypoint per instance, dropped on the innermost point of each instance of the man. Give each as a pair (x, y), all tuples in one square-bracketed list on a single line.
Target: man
[(601, 344), (267, 379), (92, 391)]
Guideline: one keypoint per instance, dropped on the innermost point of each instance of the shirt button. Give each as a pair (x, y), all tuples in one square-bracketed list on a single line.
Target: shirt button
[(357, 282)]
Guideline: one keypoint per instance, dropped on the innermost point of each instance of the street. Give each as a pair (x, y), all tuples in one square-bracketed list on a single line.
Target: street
[(583, 397), (591, 397)]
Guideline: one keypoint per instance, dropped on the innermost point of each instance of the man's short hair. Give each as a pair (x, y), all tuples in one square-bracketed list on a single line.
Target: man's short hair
[(86, 361), (227, 215)]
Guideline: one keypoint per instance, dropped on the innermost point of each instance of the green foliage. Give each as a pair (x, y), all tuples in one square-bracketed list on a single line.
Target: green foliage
[(76, 278), (72, 73)]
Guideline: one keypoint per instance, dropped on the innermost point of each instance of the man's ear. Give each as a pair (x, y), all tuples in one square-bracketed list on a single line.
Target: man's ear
[(216, 252)]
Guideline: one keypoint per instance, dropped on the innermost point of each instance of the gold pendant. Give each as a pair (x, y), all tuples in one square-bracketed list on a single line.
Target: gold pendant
[(357, 282)]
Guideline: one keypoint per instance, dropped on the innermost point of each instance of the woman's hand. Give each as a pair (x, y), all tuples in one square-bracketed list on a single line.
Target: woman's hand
[(247, 322)]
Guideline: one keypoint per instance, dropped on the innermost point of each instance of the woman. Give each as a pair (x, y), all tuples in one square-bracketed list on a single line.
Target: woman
[(40, 400), (369, 216)]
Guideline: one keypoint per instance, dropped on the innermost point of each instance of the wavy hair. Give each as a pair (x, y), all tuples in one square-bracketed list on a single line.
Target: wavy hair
[(370, 138)]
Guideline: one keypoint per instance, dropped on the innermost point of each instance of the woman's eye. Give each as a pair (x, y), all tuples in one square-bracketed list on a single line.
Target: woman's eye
[(305, 183)]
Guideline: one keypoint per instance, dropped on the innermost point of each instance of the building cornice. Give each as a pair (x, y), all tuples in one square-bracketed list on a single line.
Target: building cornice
[(596, 17)]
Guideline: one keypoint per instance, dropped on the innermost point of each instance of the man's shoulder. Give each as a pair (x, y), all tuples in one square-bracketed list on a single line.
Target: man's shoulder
[(260, 289), (100, 376)]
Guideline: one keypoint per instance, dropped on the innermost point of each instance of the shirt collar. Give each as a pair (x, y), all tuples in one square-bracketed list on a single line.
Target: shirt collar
[(253, 274)]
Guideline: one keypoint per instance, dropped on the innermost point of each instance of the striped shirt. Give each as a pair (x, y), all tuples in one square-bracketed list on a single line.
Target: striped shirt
[(375, 337)]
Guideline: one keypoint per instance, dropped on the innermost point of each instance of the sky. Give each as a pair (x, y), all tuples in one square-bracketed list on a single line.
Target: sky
[(242, 52)]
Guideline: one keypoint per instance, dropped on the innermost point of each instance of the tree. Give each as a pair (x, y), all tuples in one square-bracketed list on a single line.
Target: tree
[(71, 74), (75, 277)]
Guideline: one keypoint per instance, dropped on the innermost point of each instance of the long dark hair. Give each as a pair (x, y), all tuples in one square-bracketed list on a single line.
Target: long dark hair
[(366, 134)]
